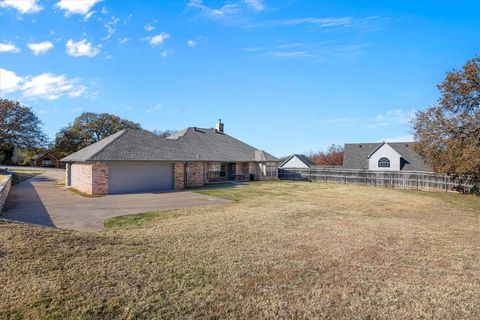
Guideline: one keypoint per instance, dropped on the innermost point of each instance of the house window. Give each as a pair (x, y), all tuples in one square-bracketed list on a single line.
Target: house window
[(383, 163), (271, 169), (46, 162)]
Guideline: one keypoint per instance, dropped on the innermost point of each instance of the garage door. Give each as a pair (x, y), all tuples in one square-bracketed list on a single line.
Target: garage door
[(129, 177)]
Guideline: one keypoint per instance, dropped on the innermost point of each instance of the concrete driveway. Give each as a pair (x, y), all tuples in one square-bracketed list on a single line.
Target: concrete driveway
[(40, 201)]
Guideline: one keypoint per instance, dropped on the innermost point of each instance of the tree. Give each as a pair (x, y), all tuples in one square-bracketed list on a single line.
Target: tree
[(87, 129), (20, 128), (333, 156), (164, 134), (448, 134)]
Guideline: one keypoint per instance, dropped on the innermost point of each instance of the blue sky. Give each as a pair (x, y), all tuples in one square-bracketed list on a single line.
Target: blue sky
[(285, 76)]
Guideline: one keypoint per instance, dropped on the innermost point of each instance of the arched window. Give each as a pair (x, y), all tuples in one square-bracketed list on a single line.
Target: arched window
[(383, 163)]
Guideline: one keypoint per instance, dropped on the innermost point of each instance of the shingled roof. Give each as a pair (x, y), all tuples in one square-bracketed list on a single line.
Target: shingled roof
[(356, 155), (191, 144), (309, 163)]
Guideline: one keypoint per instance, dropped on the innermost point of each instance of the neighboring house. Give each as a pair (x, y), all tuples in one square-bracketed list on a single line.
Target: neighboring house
[(141, 161), (386, 156), (297, 161), (45, 159)]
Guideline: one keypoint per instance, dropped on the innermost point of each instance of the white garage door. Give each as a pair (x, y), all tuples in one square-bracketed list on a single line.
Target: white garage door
[(129, 177)]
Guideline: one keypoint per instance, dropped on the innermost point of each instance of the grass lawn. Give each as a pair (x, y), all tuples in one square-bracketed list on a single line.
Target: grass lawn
[(281, 250), (20, 175)]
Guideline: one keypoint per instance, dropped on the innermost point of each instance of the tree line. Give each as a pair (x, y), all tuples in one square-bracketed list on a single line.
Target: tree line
[(447, 134)]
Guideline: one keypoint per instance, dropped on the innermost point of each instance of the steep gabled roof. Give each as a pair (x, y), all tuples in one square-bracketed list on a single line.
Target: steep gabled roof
[(39, 155), (356, 155), (309, 163), (191, 144)]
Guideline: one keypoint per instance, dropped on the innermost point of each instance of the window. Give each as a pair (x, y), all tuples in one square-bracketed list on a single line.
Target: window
[(383, 163), (271, 169), (46, 162)]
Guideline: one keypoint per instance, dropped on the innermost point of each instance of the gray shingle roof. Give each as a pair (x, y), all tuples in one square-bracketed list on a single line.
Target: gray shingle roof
[(309, 163), (191, 144), (356, 156)]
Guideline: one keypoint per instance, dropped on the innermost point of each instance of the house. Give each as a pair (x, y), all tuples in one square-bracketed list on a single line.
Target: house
[(45, 159), (296, 161), (141, 161), (385, 156)]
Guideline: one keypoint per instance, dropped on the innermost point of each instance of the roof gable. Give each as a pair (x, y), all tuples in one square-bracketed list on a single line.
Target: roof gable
[(304, 159), (382, 146)]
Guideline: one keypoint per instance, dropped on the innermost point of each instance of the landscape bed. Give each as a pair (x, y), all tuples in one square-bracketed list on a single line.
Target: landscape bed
[(281, 250)]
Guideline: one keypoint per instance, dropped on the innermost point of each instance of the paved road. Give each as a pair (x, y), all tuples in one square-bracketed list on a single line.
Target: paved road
[(40, 201)]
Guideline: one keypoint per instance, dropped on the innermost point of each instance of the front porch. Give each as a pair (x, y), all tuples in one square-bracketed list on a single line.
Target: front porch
[(228, 171)]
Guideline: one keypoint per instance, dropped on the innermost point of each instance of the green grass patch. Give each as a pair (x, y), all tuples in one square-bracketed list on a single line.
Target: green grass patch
[(138, 219), (22, 175)]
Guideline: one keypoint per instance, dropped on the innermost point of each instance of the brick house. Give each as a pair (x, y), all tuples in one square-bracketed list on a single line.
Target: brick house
[(141, 161), (45, 159)]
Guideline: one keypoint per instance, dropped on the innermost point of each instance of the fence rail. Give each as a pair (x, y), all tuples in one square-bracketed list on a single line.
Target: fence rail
[(402, 179)]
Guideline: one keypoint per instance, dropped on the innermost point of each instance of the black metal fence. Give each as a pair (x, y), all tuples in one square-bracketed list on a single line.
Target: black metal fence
[(393, 179)]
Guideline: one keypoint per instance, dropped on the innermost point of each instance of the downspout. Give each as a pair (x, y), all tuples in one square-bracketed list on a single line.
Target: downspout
[(185, 175)]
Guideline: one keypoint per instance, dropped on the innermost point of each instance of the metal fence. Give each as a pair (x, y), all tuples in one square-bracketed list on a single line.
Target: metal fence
[(401, 179)]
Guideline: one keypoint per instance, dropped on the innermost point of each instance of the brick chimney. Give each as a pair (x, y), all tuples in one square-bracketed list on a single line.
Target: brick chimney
[(219, 126)]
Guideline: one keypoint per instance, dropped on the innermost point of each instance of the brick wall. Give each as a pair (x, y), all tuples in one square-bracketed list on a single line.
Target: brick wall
[(179, 176), (5, 185), (196, 174), (100, 178)]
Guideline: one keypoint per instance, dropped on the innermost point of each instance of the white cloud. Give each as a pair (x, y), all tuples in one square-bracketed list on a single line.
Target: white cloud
[(149, 27), (157, 107), (8, 47), (158, 39), (191, 43), (51, 87), (40, 47), (256, 5), (76, 6), (81, 48), (166, 53), (23, 6), (123, 40), (9, 81), (227, 9), (43, 86)]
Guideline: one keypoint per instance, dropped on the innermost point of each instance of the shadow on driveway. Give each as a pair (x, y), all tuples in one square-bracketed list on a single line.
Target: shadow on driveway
[(40, 201)]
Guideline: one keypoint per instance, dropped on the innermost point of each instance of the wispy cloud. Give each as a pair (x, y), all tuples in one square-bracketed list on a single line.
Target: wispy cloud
[(47, 86), (110, 27), (70, 7), (81, 48), (392, 117), (166, 53), (40, 47), (256, 5), (122, 41), (316, 52), (77, 110), (22, 6), (8, 47), (404, 138), (151, 25), (156, 107), (191, 43), (343, 121)]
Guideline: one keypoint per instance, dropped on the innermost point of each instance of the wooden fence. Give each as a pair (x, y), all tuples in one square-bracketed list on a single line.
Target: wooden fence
[(401, 179)]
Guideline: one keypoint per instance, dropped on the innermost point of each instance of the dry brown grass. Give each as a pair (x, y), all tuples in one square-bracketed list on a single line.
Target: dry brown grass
[(284, 250)]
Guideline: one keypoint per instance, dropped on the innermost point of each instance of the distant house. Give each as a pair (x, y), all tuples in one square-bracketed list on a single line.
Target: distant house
[(385, 156), (45, 159), (141, 161), (297, 161)]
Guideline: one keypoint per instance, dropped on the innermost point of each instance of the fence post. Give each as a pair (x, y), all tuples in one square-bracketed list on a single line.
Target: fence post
[(446, 185)]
